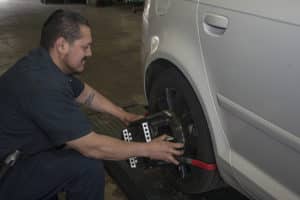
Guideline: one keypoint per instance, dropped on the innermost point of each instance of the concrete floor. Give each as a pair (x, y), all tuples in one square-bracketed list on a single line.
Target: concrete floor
[(114, 69)]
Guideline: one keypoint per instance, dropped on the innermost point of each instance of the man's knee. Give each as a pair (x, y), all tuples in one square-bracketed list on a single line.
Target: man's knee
[(84, 166), (63, 170), (88, 179), (92, 168)]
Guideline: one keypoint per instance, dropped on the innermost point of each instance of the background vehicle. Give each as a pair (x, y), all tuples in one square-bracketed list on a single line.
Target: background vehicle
[(229, 70)]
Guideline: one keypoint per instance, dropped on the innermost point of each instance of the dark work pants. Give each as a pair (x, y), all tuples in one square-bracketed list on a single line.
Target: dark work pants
[(42, 176)]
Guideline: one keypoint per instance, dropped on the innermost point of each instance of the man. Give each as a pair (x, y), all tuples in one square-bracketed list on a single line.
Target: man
[(40, 116)]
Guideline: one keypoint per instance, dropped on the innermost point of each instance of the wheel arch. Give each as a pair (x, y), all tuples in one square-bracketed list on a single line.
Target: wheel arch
[(221, 146), (160, 65), (155, 68)]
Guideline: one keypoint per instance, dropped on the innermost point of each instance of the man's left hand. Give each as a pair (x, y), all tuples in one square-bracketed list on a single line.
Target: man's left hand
[(128, 117)]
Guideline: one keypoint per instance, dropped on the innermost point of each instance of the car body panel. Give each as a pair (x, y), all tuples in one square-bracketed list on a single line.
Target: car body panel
[(241, 60), (254, 65)]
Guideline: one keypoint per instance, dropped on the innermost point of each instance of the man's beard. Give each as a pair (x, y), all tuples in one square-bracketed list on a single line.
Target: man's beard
[(82, 62)]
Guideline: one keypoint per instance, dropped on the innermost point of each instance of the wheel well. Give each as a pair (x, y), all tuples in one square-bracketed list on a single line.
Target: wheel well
[(157, 67), (213, 180)]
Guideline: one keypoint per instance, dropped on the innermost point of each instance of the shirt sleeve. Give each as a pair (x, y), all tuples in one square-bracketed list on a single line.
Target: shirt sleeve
[(58, 115), (76, 85)]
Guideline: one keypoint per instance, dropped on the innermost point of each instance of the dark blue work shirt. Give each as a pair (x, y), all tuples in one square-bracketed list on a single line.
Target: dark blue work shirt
[(37, 106)]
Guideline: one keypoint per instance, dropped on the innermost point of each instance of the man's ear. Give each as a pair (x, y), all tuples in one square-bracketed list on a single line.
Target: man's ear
[(61, 45)]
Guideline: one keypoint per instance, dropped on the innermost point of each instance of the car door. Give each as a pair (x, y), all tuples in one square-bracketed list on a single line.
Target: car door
[(251, 50)]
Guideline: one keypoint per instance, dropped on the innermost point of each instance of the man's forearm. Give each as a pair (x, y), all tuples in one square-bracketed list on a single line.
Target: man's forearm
[(115, 149), (104, 147), (108, 148), (96, 101)]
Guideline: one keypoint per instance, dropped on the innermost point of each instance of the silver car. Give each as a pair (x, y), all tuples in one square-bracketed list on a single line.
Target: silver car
[(230, 71)]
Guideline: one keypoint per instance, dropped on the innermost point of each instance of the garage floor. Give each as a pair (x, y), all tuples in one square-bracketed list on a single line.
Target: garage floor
[(114, 67)]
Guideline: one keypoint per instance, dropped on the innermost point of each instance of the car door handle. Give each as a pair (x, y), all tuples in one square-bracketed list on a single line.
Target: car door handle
[(215, 25)]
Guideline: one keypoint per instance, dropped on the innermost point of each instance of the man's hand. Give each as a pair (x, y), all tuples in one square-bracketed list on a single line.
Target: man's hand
[(160, 149), (127, 117)]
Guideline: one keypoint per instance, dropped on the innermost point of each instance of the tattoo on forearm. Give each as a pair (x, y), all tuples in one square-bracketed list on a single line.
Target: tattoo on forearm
[(89, 99)]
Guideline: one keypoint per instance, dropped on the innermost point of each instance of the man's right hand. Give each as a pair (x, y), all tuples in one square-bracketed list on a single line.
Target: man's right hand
[(160, 149)]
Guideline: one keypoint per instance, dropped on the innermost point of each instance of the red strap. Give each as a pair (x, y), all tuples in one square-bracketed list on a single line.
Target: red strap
[(203, 165)]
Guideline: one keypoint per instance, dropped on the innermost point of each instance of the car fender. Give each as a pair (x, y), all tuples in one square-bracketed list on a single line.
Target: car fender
[(193, 68)]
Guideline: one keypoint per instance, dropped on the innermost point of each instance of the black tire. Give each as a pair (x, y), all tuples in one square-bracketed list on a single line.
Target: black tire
[(197, 137)]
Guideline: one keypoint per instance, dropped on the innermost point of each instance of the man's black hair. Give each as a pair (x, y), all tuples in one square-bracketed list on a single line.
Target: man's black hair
[(62, 23)]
